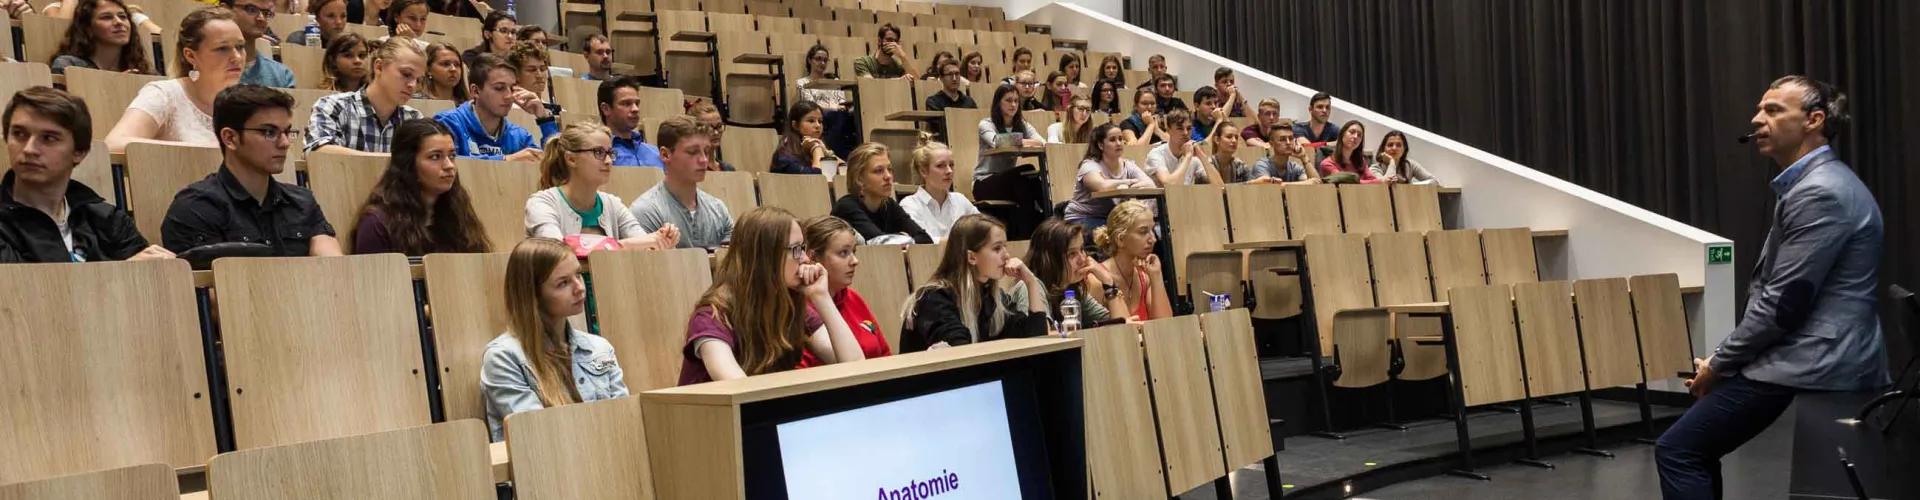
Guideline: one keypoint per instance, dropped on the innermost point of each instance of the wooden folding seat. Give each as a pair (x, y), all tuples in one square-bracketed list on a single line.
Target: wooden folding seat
[(750, 149), (138, 482), (922, 260), (1366, 208), (1125, 460), (806, 195), (882, 281), (499, 191), (1312, 209), (644, 298), (1183, 397), (777, 24), (1509, 255), (468, 297), (812, 12), (732, 188), (105, 90), (439, 461), (1199, 215), (629, 183), (340, 184), (1549, 338), (1666, 348), (157, 172), (1416, 207), (588, 450)]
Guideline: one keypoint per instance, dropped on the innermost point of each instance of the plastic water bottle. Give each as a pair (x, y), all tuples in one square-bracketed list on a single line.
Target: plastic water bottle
[(1069, 315), (313, 32)]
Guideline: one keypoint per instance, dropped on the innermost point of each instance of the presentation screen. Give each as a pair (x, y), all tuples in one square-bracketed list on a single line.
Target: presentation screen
[(955, 444)]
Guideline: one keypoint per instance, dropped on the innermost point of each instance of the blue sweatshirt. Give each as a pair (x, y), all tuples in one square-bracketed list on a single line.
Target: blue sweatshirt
[(470, 140)]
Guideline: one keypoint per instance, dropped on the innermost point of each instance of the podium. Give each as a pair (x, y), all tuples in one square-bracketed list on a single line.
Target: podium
[(1000, 419)]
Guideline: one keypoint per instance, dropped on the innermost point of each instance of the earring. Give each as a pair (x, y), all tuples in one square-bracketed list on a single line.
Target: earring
[(193, 75)]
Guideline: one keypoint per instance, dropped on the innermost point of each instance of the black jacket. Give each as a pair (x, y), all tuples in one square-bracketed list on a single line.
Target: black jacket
[(101, 231), (890, 219), (936, 318)]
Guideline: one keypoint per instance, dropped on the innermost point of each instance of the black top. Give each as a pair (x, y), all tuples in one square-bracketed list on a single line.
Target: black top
[(1033, 104), (218, 209), (940, 102), (890, 219), (101, 231), (936, 318), (1170, 104)]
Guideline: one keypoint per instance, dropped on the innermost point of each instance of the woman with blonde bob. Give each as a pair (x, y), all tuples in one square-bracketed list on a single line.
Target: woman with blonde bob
[(1128, 241), (936, 206), (769, 310), (963, 303), (537, 362), (570, 202), (869, 206)]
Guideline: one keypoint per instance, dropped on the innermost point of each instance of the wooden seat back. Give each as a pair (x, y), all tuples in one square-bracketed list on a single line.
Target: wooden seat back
[(468, 294), (429, 462)]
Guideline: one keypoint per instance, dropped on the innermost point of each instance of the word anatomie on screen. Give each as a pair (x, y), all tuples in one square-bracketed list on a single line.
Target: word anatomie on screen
[(918, 490)]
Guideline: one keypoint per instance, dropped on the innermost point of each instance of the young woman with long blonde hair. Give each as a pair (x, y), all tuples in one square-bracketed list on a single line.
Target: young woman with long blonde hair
[(963, 303), (1128, 241), (768, 309), (535, 364)]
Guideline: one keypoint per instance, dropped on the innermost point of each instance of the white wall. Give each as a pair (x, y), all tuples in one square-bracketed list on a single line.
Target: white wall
[(1017, 9), (1607, 237)]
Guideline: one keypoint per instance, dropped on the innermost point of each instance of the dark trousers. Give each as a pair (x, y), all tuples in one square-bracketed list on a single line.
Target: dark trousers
[(1027, 194), (1737, 409), (841, 131)]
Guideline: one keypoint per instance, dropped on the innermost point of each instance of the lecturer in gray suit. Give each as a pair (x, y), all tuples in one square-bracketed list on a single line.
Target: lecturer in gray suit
[(1810, 322)]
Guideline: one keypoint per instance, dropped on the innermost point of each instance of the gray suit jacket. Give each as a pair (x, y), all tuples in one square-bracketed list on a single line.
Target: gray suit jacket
[(1810, 321)]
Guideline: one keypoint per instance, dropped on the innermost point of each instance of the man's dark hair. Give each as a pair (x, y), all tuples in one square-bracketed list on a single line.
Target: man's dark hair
[(237, 104), (484, 63), (607, 89), (1204, 93), (526, 32), (596, 37), (67, 110), (1221, 72), (1820, 96), (1167, 77), (1317, 97), (884, 28)]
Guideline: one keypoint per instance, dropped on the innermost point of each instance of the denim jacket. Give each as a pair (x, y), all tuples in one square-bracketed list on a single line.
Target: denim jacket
[(506, 377)]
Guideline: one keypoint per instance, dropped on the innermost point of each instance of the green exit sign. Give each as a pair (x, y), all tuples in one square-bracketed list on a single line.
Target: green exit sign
[(1719, 254)]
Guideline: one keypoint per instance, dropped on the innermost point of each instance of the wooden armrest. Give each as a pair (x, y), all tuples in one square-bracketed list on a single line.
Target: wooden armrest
[(502, 464), (1693, 290), (1014, 151), (634, 16), (693, 36), (1425, 308), (830, 84), (1449, 190), (1428, 340), (1264, 244), (579, 7), (1549, 233), (917, 116), (1284, 270), (758, 59)]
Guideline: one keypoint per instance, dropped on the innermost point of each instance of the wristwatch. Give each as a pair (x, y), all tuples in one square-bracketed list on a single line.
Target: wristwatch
[(1111, 290)]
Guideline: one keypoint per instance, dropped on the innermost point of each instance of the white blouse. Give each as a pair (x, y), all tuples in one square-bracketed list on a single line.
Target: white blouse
[(167, 103)]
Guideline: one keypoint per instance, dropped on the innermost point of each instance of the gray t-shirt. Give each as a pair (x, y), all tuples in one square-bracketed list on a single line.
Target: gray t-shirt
[(1084, 205), (708, 225)]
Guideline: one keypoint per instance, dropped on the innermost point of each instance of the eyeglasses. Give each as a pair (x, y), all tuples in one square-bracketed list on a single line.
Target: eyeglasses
[(797, 251), (273, 134), (1026, 84), (504, 30), (254, 11), (598, 153)]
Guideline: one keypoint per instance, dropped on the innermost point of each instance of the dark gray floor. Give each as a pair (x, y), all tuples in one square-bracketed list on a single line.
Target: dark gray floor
[(1761, 469)]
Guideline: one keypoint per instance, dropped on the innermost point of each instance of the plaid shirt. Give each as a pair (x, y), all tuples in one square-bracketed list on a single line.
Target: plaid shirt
[(348, 120)]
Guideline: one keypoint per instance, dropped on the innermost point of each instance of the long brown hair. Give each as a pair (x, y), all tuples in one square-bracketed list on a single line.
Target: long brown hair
[(427, 84), (1047, 256), (79, 41), (1075, 134), (970, 233), (330, 71), (549, 353), (750, 295), (454, 224)]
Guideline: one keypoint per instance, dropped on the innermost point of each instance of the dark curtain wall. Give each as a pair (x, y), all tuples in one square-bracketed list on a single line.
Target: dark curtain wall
[(1637, 99)]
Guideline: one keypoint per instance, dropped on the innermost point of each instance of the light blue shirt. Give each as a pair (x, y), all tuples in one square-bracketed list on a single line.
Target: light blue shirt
[(267, 73), (1783, 182), (506, 376), (633, 151)]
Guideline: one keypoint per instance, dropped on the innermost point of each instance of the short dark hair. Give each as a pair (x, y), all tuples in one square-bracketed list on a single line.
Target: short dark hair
[(1319, 96), (609, 87), (1204, 93), (526, 32), (239, 103), (1222, 72), (484, 63), (678, 127), (493, 20), (884, 28), (1820, 96), (1022, 50), (596, 37), (67, 110)]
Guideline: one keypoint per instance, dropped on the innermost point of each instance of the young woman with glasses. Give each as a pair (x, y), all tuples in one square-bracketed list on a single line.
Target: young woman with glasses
[(569, 203), (770, 308)]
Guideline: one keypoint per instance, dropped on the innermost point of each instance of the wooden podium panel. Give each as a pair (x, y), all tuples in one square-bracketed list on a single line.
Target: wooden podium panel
[(1484, 335), (1183, 401), (1237, 393), (1120, 457)]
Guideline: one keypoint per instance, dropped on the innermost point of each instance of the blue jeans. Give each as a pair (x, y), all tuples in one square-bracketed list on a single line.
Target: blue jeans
[(1737, 409)]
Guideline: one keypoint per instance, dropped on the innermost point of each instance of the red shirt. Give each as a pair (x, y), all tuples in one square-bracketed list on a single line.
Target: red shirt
[(854, 310)]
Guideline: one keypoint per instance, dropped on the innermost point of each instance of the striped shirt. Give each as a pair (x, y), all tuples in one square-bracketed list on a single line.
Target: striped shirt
[(349, 121)]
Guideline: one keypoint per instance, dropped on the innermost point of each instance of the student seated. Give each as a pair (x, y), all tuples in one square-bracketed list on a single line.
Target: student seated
[(1106, 97), (364, 120), (801, 149), (496, 36), (1110, 71), (1206, 113), (1349, 156), (1077, 126), (936, 206), (1222, 154), (830, 243), (1179, 162), (1027, 84), (102, 39), (407, 19), (837, 118), (480, 127), (1103, 169), (533, 66), (1165, 86), (1317, 129), (888, 60), (1144, 127), (951, 95), (869, 206), (620, 110), (532, 33), (1229, 91), (963, 303), (1156, 66), (446, 77), (1265, 121), (242, 202), (344, 66), (1022, 62), (570, 202), (939, 60), (1393, 165), (677, 201), (45, 215), (599, 58), (1128, 240), (998, 177), (1269, 170), (1058, 258), (708, 116), (541, 361), (1070, 66), (770, 307), (329, 19), (1059, 92), (170, 110), (973, 67), (419, 206), (261, 69)]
